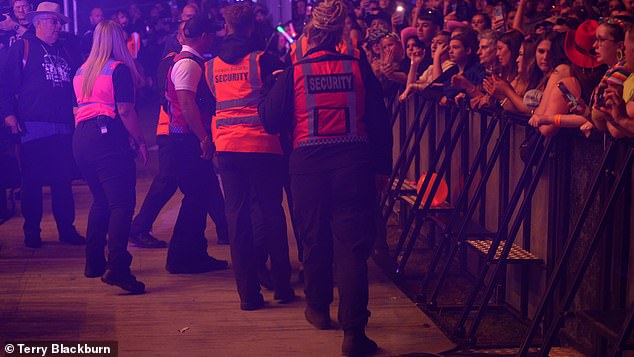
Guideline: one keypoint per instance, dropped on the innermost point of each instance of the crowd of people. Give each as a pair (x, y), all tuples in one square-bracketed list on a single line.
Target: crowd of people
[(300, 108)]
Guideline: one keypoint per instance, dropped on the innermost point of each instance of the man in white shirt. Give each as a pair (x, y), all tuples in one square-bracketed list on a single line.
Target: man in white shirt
[(187, 150)]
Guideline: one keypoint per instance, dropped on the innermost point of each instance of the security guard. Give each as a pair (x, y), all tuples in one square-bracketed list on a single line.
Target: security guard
[(187, 150), (332, 104), (250, 161)]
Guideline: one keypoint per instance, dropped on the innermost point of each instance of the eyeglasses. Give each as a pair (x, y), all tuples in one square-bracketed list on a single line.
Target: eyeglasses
[(600, 41), (53, 20)]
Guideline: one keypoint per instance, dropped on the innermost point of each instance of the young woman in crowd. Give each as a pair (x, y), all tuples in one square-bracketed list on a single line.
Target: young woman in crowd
[(579, 73), (619, 103), (441, 62), (510, 85), (106, 128)]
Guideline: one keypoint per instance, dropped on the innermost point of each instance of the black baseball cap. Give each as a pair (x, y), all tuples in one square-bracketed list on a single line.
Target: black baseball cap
[(198, 25), (431, 15)]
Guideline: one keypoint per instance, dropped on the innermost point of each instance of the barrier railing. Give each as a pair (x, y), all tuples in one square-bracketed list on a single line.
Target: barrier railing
[(428, 135)]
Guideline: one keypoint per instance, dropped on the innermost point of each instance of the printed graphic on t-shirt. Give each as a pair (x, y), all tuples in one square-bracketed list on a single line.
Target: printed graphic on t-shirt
[(56, 70)]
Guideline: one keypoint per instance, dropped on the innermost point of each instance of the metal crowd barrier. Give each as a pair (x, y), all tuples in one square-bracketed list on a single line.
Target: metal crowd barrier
[(428, 136)]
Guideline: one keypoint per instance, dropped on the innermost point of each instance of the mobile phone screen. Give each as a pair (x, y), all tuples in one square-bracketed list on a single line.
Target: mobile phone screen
[(562, 87)]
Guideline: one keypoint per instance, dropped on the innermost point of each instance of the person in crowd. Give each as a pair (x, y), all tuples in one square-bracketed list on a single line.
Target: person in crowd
[(428, 23), (392, 72), (133, 38), (506, 78), (327, 160), (468, 80), (14, 26), (263, 28), (441, 63), (172, 43), (511, 95), (106, 125), (579, 73), (372, 47), (36, 101), (299, 15), (250, 161), (187, 150), (481, 22), (352, 31), (609, 46), (620, 106), (96, 16)]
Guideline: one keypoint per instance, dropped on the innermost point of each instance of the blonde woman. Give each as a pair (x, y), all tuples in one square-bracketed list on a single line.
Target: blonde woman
[(107, 134)]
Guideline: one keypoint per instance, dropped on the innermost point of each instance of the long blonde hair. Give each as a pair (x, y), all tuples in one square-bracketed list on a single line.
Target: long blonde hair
[(108, 42)]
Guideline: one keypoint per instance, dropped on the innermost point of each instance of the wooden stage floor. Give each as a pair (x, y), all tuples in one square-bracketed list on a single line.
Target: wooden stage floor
[(44, 296)]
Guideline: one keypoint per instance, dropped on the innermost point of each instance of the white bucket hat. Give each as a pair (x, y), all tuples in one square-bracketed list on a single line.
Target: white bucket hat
[(47, 7)]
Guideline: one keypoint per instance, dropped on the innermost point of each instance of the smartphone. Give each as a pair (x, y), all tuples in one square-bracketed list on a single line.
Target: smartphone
[(498, 17), (400, 11), (571, 98)]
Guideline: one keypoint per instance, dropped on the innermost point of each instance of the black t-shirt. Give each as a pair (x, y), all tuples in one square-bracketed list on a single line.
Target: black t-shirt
[(123, 84)]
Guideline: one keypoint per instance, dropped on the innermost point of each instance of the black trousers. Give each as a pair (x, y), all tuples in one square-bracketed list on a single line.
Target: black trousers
[(181, 156), (335, 215), (252, 184), (163, 188), (47, 161), (107, 163)]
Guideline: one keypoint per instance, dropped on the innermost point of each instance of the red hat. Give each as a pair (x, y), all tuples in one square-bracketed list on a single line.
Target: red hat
[(578, 44)]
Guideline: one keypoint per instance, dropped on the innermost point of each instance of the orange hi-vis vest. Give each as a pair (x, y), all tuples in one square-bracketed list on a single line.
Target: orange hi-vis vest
[(329, 100), (236, 127), (101, 100), (345, 47), (134, 44)]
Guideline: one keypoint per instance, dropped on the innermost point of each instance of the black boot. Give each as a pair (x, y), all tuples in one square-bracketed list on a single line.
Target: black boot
[(69, 235), (357, 344), (318, 317), (32, 239), (125, 281)]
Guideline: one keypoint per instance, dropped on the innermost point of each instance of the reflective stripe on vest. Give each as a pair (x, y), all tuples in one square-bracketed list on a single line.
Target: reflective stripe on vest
[(333, 87), (345, 47), (177, 124), (101, 101), (236, 126)]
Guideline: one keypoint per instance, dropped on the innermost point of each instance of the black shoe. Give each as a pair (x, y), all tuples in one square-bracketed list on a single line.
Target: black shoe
[(94, 272), (318, 317), (72, 237), (146, 240), (32, 239), (357, 344), (125, 281), (285, 297), (207, 265), (254, 304)]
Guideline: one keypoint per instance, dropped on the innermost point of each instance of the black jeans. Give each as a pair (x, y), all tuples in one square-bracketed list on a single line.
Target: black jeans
[(253, 192), (335, 215), (163, 188), (181, 155), (47, 161), (107, 163)]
